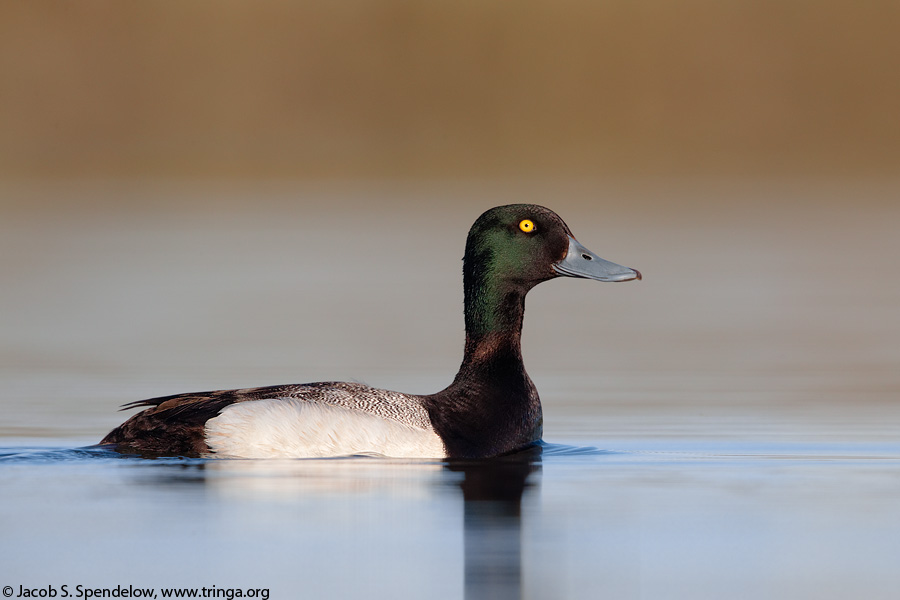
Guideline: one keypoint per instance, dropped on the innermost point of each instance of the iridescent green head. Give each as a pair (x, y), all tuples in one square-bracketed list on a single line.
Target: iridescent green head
[(512, 248)]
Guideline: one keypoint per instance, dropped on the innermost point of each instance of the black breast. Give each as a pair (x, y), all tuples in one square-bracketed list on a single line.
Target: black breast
[(489, 410)]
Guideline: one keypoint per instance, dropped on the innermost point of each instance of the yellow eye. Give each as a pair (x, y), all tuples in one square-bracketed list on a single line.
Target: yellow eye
[(526, 225)]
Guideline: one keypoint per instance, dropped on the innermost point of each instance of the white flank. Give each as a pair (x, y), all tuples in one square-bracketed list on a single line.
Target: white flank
[(293, 428)]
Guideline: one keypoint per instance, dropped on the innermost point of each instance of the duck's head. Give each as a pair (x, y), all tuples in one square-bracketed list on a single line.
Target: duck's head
[(521, 245)]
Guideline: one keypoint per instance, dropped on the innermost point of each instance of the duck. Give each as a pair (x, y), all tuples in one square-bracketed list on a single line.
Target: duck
[(491, 408)]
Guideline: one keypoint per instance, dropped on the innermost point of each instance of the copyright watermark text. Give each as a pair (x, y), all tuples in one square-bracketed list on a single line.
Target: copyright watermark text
[(130, 591)]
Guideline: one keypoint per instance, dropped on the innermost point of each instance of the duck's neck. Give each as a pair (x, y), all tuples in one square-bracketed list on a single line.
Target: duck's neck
[(494, 310), (493, 327), (494, 307), (492, 407)]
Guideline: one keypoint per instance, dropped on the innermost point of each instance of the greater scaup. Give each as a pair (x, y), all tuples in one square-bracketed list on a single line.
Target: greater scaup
[(491, 408)]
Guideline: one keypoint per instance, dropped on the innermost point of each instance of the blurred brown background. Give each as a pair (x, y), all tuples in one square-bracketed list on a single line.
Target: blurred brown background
[(448, 88)]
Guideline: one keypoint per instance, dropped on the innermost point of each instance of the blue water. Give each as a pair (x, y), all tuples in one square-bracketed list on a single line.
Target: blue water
[(640, 519)]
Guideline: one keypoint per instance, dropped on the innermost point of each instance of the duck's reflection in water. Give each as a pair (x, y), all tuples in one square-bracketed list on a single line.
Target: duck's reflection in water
[(492, 504), (491, 492)]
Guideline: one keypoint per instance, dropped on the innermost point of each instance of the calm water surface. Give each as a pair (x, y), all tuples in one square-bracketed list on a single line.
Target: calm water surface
[(726, 428)]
